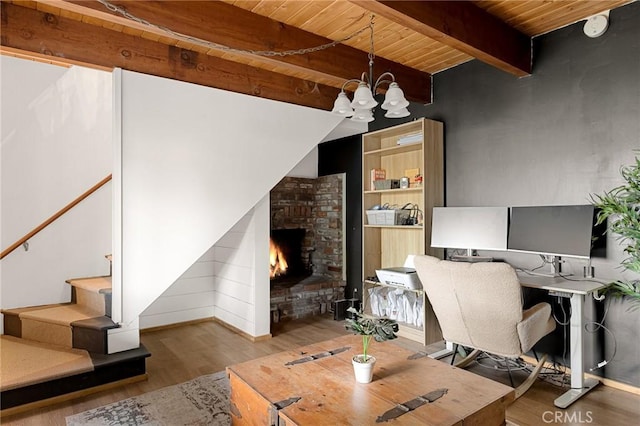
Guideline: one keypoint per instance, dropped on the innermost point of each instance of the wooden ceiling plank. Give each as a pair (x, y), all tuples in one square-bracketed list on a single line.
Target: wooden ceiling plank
[(68, 40), (71, 15), (47, 8), (245, 4), (26, 3), (508, 10), (267, 8), (130, 31), (406, 46), (453, 62), (147, 35), (538, 17), (266, 34), (336, 16), (288, 9), (562, 15), (309, 11), (464, 27), (93, 21)]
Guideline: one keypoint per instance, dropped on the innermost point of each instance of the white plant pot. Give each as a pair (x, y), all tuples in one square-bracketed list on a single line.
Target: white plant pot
[(363, 370)]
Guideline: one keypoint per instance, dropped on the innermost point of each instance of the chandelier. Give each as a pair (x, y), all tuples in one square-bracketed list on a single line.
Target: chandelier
[(361, 108)]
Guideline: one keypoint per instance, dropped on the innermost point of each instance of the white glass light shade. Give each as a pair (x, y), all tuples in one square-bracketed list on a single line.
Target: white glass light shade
[(394, 99), (342, 105), (363, 98), (363, 115), (397, 113)]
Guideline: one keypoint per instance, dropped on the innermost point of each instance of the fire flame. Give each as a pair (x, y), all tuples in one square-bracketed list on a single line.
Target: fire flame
[(277, 262)]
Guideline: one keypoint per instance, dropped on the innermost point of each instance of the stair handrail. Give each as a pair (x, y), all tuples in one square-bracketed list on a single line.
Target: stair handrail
[(55, 216)]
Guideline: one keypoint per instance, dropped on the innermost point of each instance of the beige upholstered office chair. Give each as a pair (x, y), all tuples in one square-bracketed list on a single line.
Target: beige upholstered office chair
[(479, 305)]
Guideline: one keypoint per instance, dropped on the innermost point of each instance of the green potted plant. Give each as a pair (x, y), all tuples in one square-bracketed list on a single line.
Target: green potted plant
[(621, 206), (369, 327)]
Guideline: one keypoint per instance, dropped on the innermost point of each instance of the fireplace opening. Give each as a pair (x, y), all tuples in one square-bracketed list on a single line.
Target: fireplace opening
[(286, 262)]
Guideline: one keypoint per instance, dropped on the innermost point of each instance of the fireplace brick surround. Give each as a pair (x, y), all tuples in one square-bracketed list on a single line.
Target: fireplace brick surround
[(315, 205)]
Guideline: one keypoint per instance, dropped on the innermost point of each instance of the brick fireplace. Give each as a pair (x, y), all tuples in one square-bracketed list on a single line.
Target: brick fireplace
[(314, 209)]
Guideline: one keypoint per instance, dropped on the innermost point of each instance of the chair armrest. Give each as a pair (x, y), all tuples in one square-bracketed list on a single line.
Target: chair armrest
[(536, 323)]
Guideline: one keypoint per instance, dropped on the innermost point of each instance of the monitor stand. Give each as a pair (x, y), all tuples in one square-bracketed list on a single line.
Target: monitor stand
[(555, 268), (470, 258)]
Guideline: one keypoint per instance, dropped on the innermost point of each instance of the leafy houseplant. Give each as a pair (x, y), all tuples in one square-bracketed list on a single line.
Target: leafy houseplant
[(621, 206), (369, 327)]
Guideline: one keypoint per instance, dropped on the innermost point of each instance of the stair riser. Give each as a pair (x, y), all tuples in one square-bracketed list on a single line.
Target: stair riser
[(47, 332), (107, 304), (94, 301), (12, 325), (94, 341)]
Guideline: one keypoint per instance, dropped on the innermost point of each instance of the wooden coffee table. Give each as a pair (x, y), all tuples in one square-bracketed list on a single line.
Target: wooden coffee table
[(315, 385)]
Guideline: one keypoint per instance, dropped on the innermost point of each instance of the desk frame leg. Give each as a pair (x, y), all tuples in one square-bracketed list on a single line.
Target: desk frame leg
[(579, 385)]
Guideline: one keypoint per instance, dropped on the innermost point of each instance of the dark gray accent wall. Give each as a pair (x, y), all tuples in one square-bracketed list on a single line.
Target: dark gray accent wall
[(555, 137)]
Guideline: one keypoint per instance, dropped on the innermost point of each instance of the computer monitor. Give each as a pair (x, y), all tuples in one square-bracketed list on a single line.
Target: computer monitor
[(563, 231), (470, 228)]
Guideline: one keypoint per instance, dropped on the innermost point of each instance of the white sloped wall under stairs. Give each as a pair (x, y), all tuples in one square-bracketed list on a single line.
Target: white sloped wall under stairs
[(193, 161)]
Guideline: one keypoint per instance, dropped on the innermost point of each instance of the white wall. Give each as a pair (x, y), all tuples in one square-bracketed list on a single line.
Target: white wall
[(56, 144), (242, 278), (191, 297), (307, 167), (194, 160), (230, 281)]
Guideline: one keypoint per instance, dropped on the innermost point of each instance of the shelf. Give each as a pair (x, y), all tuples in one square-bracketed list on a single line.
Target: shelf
[(396, 226), (389, 245), (378, 283), (395, 149), (410, 327), (395, 191)]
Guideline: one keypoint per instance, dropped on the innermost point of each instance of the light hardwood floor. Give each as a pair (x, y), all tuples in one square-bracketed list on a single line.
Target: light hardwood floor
[(182, 353)]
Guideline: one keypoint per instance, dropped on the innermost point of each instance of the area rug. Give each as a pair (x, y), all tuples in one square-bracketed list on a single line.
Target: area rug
[(201, 401)]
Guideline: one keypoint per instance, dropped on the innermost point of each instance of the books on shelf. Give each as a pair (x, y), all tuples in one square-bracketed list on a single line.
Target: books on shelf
[(409, 139), (377, 174), (413, 174)]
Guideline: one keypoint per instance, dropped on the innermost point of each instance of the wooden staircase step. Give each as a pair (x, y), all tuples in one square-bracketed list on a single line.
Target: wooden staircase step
[(18, 311), (53, 325), (94, 284), (25, 362), (108, 370), (63, 314), (12, 323), (97, 323)]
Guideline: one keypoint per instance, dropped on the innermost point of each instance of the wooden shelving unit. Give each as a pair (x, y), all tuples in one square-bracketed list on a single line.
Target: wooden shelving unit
[(387, 246)]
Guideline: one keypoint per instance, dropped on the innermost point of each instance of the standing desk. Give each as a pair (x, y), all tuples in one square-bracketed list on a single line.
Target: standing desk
[(577, 291)]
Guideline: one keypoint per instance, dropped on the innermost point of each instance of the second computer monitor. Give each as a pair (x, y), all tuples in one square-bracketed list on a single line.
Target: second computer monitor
[(552, 230)]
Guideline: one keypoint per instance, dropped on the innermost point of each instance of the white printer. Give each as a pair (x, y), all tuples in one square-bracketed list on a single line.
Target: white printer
[(403, 276)]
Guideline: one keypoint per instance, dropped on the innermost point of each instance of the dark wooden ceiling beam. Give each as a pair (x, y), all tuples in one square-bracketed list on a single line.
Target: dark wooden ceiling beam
[(228, 25), (463, 26), (30, 30)]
